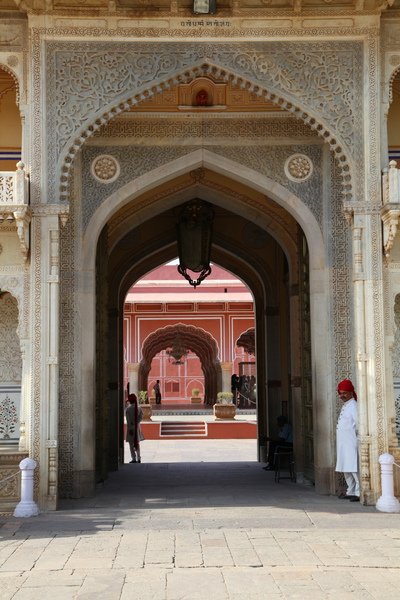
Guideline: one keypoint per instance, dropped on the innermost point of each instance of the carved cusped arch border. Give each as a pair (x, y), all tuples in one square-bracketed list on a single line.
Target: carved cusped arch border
[(393, 75), (198, 341), (309, 117), (14, 285), (247, 340), (10, 71)]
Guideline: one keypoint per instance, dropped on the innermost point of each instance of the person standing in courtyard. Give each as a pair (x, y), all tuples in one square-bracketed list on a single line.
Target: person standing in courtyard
[(157, 391), (134, 435), (346, 441)]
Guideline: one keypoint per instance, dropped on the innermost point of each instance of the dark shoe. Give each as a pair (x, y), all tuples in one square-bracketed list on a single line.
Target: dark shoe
[(268, 468), (139, 460), (354, 499), (343, 497), (132, 461)]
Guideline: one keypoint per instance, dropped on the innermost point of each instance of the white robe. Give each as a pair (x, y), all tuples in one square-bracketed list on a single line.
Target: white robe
[(346, 438)]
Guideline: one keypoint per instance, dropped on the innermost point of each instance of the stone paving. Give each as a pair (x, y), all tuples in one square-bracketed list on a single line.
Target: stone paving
[(172, 530)]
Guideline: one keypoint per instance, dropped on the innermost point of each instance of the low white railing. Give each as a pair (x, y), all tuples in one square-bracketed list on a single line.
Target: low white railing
[(14, 187), (387, 502), (27, 507)]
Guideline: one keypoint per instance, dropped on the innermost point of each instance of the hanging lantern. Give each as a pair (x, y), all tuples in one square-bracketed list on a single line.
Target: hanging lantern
[(178, 351), (194, 232)]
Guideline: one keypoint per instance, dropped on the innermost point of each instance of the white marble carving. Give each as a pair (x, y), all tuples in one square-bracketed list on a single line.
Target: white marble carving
[(105, 168), (298, 167), (10, 398), (396, 389)]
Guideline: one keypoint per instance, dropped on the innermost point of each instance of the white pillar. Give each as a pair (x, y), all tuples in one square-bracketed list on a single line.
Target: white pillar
[(27, 507), (48, 229), (226, 368), (133, 377), (24, 405), (387, 502)]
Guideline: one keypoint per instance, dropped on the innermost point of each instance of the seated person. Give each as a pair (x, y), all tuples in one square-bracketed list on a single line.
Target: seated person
[(285, 439)]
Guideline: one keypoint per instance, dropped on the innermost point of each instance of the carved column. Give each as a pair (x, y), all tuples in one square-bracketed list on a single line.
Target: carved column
[(368, 317), (360, 350), (49, 348), (24, 406)]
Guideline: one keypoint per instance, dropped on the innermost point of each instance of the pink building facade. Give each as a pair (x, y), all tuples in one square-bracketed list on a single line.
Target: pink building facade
[(162, 309)]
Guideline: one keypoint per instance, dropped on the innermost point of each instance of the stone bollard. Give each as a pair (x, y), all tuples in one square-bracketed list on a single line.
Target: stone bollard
[(27, 507), (387, 502)]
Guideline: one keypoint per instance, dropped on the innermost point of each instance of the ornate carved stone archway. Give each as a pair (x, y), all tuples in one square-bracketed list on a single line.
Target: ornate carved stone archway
[(288, 75), (195, 339)]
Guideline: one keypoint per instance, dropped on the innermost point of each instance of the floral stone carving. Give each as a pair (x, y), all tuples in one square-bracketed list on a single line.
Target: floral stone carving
[(105, 168), (8, 418), (298, 167)]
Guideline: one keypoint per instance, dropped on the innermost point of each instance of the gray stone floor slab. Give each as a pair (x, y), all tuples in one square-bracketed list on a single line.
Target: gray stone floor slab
[(204, 530)]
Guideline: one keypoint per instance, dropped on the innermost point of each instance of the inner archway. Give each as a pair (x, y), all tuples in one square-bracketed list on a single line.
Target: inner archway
[(266, 259), (195, 339)]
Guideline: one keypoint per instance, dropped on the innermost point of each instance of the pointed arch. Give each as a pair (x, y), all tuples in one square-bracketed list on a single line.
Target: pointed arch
[(124, 102), (214, 162)]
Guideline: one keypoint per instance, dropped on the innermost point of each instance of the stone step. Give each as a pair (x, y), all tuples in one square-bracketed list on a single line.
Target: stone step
[(183, 429)]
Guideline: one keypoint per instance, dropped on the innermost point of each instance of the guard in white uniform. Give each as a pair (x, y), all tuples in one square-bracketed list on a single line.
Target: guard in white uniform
[(346, 441)]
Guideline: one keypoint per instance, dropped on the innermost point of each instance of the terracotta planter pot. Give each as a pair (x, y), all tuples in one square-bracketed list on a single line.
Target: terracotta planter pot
[(196, 399), (147, 411), (224, 411)]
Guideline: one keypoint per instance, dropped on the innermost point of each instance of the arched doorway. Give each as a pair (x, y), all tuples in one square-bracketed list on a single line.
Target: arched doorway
[(270, 269)]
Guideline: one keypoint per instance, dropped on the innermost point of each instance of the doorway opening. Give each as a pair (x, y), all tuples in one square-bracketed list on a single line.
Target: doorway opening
[(181, 354), (270, 256)]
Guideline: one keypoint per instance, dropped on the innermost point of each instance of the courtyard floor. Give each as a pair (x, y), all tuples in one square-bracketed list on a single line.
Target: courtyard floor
[(201, 520)]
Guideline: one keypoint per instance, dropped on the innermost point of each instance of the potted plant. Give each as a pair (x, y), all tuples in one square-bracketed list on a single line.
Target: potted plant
[(145, 405), (224, 407), (196, 398)]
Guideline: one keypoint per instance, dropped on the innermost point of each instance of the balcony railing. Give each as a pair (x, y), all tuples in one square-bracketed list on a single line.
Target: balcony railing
[(14, 203), (14, 187)]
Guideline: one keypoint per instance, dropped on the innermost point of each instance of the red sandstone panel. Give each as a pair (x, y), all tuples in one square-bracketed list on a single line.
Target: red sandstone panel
[(240, 306), (181, 307), (211, 307), (147, 308), (231, 430)]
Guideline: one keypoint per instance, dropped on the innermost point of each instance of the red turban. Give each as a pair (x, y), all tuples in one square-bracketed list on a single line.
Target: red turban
[(347, 386)]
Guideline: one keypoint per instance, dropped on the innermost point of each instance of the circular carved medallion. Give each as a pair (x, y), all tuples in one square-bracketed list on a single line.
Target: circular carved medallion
[(12, 60), (298, 167), (105, 168)]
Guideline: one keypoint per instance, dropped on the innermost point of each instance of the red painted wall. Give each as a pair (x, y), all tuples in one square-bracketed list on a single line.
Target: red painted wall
[(222, 306)]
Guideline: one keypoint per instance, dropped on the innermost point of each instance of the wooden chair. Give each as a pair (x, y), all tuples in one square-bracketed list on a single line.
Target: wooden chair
[(284, 461)]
